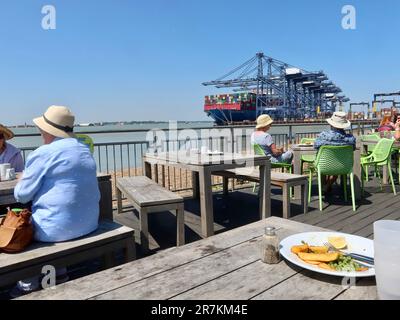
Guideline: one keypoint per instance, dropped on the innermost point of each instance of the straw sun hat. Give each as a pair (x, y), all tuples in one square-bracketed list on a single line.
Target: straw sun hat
[(58, 121), (7, 133), (263, 121), (338, 120)]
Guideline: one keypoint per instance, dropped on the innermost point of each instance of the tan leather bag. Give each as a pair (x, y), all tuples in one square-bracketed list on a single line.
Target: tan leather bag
[(16, 231)]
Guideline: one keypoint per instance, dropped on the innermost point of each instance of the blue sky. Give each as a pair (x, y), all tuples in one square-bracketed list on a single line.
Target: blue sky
[(112, 60)]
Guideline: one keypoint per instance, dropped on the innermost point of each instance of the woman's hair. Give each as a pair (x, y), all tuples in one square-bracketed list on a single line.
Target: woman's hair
[(385, 120)]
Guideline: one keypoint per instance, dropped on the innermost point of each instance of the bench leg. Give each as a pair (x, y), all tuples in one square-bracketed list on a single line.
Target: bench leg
[(225, 183), (109, 260), (304, 197), (130, 250), (286, 201), (119, 201), (180, 225), (144, 229)]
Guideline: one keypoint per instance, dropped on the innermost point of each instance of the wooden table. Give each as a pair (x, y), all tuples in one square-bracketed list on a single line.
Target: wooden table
[(298, 151), (364, 148), (106, 210), (225, 266), (203, 165)]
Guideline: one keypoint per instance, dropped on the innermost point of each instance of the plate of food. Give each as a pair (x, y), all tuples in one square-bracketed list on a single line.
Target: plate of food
[(309, 250)]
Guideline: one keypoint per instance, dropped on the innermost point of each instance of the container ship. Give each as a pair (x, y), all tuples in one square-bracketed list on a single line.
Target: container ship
[(266, 85)]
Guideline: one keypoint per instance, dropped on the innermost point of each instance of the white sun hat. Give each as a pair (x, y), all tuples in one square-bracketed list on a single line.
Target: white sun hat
[(339, 120), (58, 121), (263, 121)]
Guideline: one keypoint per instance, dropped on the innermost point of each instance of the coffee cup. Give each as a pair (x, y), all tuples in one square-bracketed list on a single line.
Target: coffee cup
[(3, 170), (10, 174)]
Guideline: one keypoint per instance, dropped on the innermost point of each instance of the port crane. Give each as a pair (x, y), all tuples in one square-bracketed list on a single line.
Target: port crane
[(282, 90)]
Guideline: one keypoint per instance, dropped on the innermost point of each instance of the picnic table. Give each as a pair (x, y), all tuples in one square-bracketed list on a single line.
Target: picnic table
[(202, 165), (224, 266), (104, 180), (364, 148), (300, 150)]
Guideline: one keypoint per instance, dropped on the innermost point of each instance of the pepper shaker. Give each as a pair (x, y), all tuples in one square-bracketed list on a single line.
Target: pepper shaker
[(270, 246)]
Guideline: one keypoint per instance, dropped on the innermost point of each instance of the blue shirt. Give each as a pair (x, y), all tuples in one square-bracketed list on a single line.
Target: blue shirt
[(334, 137), (60, 180), (264, 140)]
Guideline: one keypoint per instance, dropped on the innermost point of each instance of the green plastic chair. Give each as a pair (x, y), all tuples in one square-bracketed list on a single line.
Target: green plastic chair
[(260, 151), (307, 158), (85, 139), (370, 148), (333, 161), (381, 156)]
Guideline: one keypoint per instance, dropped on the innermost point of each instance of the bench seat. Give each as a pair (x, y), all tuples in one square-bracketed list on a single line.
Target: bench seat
[(147, 196), (108, 238), (279, 179)]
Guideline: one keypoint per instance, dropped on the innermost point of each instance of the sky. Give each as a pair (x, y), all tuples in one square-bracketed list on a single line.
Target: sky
[(130, 60)]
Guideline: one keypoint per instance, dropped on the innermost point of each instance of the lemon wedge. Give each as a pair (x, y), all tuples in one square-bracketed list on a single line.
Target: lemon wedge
[(338, 242)]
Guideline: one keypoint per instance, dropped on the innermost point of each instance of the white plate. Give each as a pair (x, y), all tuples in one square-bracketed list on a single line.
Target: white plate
[(356, 244)]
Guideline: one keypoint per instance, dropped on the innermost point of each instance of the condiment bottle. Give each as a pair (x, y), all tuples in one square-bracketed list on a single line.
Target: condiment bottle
[(270, 246)]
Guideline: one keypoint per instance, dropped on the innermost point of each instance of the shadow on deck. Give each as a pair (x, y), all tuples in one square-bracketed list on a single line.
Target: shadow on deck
[(241, 207)]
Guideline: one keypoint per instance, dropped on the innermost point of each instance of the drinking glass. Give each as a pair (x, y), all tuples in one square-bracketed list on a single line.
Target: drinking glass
[(387, 258)]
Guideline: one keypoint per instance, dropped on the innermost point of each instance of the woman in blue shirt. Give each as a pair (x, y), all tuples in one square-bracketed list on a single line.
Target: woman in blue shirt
[(60, 180)]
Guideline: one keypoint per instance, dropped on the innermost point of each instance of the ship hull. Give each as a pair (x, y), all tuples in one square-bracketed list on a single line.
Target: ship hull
[(223, 116)]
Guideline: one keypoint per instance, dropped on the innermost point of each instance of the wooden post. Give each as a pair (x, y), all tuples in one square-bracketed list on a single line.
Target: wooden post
[(206, 203)]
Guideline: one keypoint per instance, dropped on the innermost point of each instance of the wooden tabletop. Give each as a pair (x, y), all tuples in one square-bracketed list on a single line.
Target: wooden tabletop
[(203, 159), (225, 266)]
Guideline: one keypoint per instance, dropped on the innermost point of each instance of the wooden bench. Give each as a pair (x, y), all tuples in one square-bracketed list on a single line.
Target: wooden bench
[(108, 238), (147, 196), (278, 179)]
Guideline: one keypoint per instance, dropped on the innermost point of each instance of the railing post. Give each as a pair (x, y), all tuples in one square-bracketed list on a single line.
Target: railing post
[(290, 134)]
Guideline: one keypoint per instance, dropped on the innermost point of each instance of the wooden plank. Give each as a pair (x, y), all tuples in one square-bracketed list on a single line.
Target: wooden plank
[(145, 192), (106, 232), (344, 217), (165, 261), (241, 284), (169, 284), (306, 285), (364, 289)]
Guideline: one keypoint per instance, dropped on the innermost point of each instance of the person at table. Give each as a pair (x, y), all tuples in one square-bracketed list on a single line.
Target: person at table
[(60, 180), (386, 124), (261, 137), (9, 153), (397, 130), (335, 136)]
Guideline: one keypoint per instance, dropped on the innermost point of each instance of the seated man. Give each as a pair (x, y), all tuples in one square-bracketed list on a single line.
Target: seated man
[(335, 136), (265, 141), (60, 180)]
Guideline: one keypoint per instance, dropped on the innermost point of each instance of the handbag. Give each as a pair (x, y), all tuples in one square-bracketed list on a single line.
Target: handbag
[(16, 230)]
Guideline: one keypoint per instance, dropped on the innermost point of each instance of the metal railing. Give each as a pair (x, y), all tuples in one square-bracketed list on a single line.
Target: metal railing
[(122, 159)]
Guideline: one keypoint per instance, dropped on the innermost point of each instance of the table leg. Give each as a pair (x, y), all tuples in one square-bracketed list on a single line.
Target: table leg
[(265, 191), (147, 169), (304, 198), (297, 170), (195, 185), (206, 203), (285, 201), (225, 183)]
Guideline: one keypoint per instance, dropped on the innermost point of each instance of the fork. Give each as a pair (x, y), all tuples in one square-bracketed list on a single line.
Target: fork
[(355, 256)]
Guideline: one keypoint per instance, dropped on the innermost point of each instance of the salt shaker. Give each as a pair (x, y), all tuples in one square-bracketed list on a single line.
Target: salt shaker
[(270, 246)]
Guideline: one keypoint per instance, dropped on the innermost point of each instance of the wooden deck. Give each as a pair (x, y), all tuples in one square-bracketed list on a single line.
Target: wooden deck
[(241, 207)]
